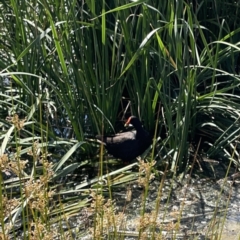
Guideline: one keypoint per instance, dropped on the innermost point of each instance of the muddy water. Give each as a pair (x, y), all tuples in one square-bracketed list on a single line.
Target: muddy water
[(205, 208), (192, 208)]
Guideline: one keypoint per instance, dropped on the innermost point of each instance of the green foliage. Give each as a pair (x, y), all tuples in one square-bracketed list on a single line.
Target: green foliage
[(84, 62)]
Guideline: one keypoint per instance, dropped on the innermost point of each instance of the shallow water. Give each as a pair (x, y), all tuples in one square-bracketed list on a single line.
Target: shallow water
[(205, 209), (200, 206)]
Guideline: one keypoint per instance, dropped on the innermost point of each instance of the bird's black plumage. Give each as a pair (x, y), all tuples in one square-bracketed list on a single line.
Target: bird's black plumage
[(128, 145)]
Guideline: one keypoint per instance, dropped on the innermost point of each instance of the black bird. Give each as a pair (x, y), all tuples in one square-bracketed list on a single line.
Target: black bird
[(128, 145)]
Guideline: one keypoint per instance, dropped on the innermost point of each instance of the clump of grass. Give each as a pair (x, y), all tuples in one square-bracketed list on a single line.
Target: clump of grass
[(146, 172), (109, 222), (106, 220), (36, 200), (26, 199), (40, 230), (13, 166), (33, 200)]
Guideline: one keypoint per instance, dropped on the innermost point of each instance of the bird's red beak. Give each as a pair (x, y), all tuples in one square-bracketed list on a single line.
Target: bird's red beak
[(127, 122)]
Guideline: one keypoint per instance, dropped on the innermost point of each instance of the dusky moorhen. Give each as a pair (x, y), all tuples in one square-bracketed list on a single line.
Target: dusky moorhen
[(128, 145)]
